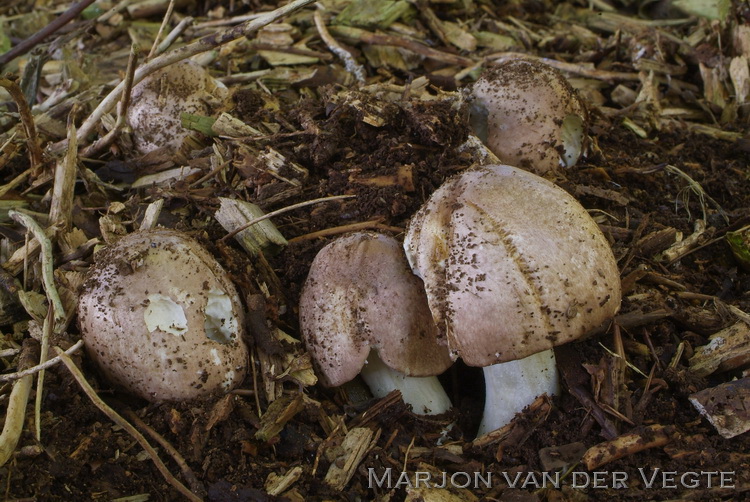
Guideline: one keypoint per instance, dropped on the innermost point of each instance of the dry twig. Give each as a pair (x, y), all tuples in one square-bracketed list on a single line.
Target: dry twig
[(187, 472), (61, 208), (35, 151), (640, 439), (8, 377), (350, 63), (122, 109), (405, 43), (48, 30), (172, 35), (282, 211), (48, 276), (56, 314), (352, 227), (163, 25), (16, 411)]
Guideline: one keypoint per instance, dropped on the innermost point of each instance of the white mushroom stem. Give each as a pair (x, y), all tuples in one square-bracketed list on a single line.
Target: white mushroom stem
[(512, 386), (425, 395), (573, 133)]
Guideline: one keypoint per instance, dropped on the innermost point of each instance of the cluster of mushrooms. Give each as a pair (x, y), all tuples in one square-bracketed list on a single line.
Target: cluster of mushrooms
[(497, 268)]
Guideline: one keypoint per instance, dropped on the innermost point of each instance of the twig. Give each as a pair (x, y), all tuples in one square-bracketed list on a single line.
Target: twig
[(164, 22), (48, 276), (352, 227), (213, 172), (227, 21), (624, 361), (16, 411), (44, 350), (117, 419), (122, 109), (18, 260), (61, 207), (14, 182), (350, 63), (256, 391), (56, 314), (187, 472), (741, 315), (203, 44), (282, 211), (410, 45), (406, 453), (9, 352), (36, 38), (257, 46), (8, 377), (8, 150), (35, 151), (172, 36), (116, 9), (639, 439), (577, 69), (609, 430)]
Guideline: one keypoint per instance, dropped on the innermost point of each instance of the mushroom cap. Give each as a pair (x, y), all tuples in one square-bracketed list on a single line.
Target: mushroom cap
[(359, 295), (159, 100), (512, 265), (162, 319), (535, 120)]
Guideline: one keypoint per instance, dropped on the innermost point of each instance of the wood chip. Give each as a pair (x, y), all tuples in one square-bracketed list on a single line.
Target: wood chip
[(683, 247), (263, 236), (356, 445), (602, 193), (726, 406), (641, 438), (276, 485), (727, 350), (278, 414), (431, 494)]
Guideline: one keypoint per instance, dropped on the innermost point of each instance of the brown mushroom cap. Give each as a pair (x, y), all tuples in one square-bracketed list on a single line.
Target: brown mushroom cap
[(161, 318), (527, 103), (360, 294), (159, 100), (512, 265)]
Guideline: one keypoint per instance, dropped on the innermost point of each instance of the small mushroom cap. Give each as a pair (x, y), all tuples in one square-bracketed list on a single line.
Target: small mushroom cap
[(534, 119), (159, 100), (512, 265), (162, 319), (359, 295)]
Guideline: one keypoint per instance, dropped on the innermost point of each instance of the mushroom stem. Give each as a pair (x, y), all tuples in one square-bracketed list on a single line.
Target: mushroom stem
[(572, 133), (425, 395), (512, 386)]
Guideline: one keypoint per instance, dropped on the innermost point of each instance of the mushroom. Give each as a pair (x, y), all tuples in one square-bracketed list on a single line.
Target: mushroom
[(362, 310), (160, 99), (529, 116), (161, 318), (512, 266)]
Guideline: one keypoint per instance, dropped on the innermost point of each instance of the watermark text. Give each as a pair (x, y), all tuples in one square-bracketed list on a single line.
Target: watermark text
[(646, 478)]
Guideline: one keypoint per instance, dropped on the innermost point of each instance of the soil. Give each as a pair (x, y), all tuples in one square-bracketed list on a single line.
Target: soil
[(390, 145)]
